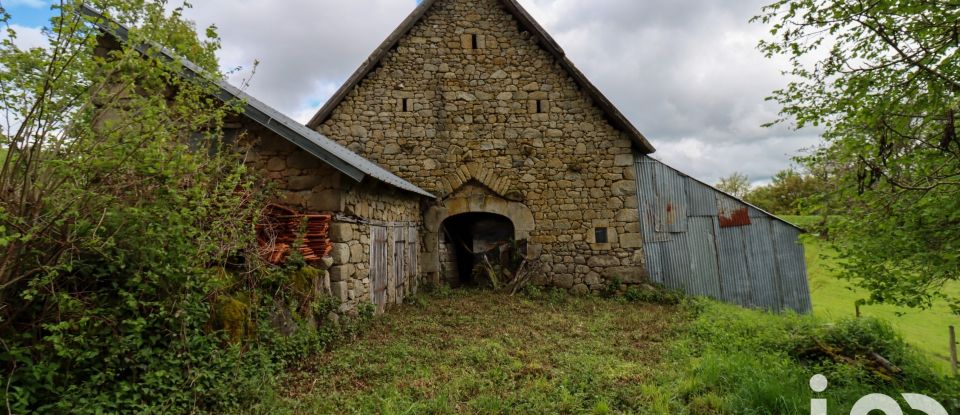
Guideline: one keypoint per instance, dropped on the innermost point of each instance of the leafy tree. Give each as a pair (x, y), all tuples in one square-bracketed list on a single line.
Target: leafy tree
[(882, 79), (788, 194), (737, 184), (111, 224)]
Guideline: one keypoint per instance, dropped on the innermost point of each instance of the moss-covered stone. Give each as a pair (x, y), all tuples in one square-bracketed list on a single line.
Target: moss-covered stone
[(232, 315)]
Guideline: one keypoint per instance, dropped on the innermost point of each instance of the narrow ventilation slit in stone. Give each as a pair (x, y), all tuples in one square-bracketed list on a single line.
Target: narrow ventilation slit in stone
[(475, 44), (600, 235), (405, 104), (539, 106)]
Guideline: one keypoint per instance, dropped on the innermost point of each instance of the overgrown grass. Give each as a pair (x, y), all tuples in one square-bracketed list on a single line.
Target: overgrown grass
[(731, 360), (476, 352), (927, 330)]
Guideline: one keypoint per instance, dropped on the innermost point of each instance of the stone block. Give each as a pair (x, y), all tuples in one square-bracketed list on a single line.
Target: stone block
[(342, 272), (599, 261), (623, 160), (340, 253), (628, 215), (276, 164), (298, 183), (624, 188), (564, 281), (340, 290), (631, 240), (341, 232), (356, 253), (626, 274)]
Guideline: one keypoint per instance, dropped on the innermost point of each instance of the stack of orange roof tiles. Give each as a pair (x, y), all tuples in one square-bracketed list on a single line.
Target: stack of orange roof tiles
[(282, 228)]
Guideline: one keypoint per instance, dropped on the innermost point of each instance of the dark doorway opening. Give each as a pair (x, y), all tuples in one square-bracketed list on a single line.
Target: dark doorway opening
[(467, 238)]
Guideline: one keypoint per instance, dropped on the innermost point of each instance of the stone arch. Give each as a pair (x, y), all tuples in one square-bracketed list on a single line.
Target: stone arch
[(497, 183), (479, 201)]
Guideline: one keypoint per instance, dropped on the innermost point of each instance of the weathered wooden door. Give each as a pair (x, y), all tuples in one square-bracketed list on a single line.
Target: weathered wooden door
[(399, 261), (379, 271)]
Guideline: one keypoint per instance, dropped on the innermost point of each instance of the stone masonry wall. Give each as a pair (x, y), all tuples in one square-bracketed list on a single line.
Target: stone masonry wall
[(367, 206), (304, 182), (507, 116), (309, 185)]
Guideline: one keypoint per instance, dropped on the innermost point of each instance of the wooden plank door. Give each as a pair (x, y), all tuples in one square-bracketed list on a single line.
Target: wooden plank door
[(379, 271)]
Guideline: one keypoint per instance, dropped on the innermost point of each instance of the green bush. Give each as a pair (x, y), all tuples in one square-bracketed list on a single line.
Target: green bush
[(129, 278), (653, 295), (737, 361)]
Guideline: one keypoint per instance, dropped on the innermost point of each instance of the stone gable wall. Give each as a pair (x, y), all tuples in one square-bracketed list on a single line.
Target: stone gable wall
[(472, 114)]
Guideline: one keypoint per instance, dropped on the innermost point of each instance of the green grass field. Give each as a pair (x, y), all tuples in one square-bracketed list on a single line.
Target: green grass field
[(928, 330)]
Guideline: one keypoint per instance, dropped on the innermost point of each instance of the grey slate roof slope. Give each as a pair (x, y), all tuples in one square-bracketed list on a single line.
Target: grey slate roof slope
[(321, 147), (613, 115)]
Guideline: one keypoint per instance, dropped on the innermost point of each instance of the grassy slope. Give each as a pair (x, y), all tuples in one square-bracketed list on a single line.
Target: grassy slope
[(834, 298), (476, 352)]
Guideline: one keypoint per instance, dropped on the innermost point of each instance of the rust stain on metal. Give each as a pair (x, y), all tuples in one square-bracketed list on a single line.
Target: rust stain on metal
[(739, 217)]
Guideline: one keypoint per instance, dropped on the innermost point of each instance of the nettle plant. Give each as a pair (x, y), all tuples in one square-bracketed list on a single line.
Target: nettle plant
[(114, 206)]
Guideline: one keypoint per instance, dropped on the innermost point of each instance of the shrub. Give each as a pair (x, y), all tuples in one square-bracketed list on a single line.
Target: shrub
[(741, 361), (122, 216)]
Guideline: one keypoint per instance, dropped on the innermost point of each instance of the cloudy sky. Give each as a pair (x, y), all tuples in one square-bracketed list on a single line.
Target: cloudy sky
[(686, 72)]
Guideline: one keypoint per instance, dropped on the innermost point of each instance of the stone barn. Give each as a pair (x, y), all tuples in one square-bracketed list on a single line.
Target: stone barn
[(473, 101), (468, 127)]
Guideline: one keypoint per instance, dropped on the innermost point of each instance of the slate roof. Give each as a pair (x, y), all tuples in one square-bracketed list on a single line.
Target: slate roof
[(613, 115), (330, 152)]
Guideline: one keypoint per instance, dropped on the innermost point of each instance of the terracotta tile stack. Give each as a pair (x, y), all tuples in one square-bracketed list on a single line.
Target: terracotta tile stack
[(280, 229), (316, 240)]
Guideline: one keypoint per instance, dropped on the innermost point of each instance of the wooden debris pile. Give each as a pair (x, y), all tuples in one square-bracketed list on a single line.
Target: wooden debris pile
[(281, 230)]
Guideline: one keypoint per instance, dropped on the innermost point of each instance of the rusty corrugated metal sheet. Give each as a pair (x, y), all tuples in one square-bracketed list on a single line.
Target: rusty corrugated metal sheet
[(707, 243), (704, 269), (701, 199), (647, 196), (732, 212), (654, 253), (676, 262), (734, 272), (792, 266), (670, 206), (762, 264)]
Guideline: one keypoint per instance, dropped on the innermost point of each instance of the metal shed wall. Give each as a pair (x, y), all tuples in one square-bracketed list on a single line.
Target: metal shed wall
[(705, 242)]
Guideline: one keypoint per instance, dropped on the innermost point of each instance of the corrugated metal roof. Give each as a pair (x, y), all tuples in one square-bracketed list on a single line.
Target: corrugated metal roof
[(792, 265), (763, 212), (705, 271), (761, 261), (321, 147), (726, 249)]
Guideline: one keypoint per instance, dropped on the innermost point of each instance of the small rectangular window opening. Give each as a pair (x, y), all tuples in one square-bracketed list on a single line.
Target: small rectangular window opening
[(405, 104), (473, 39), (539, 106), (601, 235)]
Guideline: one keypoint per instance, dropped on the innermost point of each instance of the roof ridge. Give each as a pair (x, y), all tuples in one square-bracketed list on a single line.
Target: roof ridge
[(613, 115)]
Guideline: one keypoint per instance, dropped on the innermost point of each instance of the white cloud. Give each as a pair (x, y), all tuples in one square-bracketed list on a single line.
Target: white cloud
[(29, 37), (686, 72)]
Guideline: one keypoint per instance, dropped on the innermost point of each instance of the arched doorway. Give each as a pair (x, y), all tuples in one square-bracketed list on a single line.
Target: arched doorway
[(466, 238)]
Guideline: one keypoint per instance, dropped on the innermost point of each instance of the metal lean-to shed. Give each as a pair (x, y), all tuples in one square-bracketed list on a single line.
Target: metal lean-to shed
[(705, 242)]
